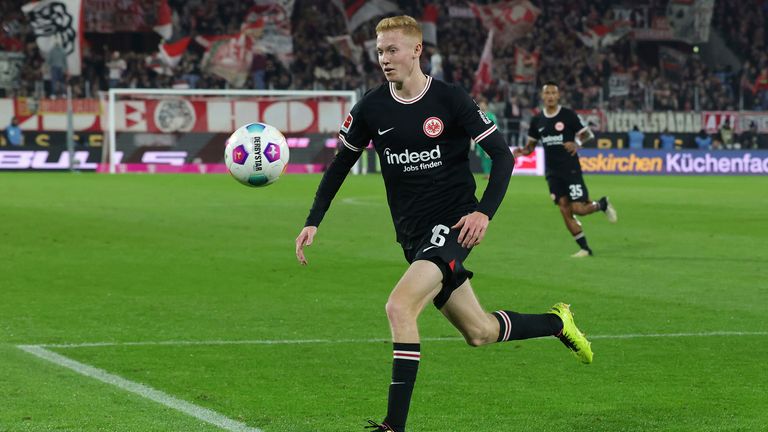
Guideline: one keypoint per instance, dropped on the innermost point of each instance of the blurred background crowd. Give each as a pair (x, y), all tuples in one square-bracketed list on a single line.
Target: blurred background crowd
[(628, 72)]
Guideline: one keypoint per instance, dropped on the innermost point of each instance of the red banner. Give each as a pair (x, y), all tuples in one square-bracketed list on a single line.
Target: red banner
[(713, 120), (59, 106)]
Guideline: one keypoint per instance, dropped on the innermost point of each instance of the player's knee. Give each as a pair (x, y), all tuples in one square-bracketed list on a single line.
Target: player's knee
[(397, 311), (475, 342), (479, 341), (480, 335)]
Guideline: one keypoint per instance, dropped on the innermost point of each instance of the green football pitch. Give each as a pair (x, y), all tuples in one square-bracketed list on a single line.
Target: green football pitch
[(175, 303)]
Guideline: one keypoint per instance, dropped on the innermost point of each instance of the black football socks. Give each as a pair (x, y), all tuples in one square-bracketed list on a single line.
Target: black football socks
[(516, 326), (581, 240), (405, 366), (602, 203)]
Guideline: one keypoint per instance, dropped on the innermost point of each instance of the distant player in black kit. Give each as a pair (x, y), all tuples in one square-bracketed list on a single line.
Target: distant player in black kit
[(558, 128), (421, 129)]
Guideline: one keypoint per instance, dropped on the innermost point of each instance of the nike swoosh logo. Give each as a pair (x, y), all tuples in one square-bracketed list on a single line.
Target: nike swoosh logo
[(541, 129), (398, 382), (381, 132), (431, 247)]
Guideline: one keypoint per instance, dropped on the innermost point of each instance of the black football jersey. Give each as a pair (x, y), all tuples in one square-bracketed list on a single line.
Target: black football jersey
[(551, 132), (423, 144)]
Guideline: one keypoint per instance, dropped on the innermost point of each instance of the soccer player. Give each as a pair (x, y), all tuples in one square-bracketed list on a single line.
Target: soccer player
[(558, 128), (421, 129)]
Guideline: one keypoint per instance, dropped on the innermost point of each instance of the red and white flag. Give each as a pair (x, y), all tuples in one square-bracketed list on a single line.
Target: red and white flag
[(171, 52), (602, 35), (510, 19), (275, 12), (672, 62), (526, 64), (484, 72), (357, 12), (268, 24), (168, 56), (207, 41), (164, 24), (228, 56), (58, 22), (429, 24), (155, 63)]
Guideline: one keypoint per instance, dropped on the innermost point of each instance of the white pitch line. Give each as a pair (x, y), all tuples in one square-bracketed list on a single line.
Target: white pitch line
[(235, 342), (227, 423), (343, 341), (677, 335), (142, 390)]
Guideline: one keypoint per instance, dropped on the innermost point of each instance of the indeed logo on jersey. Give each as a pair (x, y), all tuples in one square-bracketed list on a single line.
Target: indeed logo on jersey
[(414, 161), (552, 140)]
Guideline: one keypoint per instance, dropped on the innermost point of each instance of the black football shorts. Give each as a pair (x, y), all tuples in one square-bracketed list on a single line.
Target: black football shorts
[(440, 246), (571, 186)]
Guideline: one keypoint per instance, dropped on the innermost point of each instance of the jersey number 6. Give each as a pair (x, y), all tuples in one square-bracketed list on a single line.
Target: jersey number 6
[(437, 235)]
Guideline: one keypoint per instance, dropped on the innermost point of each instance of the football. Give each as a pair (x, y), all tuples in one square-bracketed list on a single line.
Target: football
[(256, 154)]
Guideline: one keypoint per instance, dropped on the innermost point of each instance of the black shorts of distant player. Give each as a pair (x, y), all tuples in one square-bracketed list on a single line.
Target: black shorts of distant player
[(441, 246), (571, 186)]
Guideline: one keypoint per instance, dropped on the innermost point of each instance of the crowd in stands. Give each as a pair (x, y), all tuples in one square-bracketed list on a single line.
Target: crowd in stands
[(583, 72), (743, 25)]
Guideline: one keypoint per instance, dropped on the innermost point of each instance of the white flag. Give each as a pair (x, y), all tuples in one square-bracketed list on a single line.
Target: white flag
[(58, 21)]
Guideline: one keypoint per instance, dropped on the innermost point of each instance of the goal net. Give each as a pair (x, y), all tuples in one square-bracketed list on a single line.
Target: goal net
[(184, 131)]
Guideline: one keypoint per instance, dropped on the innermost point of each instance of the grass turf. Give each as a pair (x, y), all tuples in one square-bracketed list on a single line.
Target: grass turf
[(93, 258)]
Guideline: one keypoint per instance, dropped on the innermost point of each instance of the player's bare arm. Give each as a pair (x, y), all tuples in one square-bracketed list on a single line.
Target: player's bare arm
[(527, 149), (585, 135), (305, 238), (571, 147)]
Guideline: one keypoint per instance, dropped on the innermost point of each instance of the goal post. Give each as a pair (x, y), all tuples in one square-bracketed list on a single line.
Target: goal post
[(180, 130)]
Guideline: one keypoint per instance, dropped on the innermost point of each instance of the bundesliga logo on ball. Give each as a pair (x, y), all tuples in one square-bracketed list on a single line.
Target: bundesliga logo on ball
[(256, 154)]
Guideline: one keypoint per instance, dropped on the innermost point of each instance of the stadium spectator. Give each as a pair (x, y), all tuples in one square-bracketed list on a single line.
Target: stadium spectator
[(667, 140), (725, 137), (748, 76), (117, 67), (436, 63), (47, 85), (750, 138), (761, 89), (703, 140), (13, 134), (190, 70), (258, 70), (57, 67), (636, 138)]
